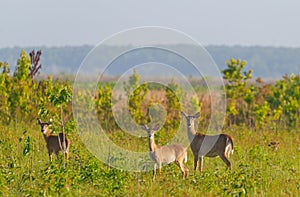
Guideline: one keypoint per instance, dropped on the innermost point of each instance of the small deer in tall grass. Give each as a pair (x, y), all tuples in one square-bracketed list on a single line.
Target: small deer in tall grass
[(166, 154), (274, 145), (207, 145), (55, 143)]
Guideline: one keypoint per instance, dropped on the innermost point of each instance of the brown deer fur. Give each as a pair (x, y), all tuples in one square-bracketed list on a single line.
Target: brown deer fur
[(166, 154), (54, 143), (208, 145)]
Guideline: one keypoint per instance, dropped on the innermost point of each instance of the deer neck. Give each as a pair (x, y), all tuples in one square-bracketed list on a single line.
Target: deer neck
[(46, 135), (152, 145), (191, 132)]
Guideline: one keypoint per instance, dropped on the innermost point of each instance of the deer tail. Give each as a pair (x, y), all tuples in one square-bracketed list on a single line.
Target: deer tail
[(229, 142), (185, 157)]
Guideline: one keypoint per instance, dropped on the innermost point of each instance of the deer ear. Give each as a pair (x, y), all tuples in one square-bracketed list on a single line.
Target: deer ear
[(197, 115), (144, 127), (183, 114), (38, 121), (156, 127)]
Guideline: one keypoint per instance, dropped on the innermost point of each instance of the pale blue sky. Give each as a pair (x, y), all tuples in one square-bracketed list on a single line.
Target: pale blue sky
[(77, 22)]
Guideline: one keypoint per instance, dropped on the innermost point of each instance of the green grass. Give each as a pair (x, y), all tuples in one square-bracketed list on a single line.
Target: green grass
[(258, 170)]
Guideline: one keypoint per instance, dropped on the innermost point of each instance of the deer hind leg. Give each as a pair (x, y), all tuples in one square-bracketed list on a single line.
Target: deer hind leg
[(66, 154), (201, 163), (159, 167), (225, 159), (228, 150), (183, 169), (67, 149), (186, 172)]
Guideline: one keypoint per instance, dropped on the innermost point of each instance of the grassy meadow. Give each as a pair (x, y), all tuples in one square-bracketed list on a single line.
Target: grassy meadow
[(258, 170), (257, 113)]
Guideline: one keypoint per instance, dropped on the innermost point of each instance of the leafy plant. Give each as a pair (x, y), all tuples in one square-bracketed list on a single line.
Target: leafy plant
[(238, 93)]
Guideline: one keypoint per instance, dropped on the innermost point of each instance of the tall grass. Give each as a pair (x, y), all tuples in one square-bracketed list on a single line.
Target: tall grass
[(258, 170)]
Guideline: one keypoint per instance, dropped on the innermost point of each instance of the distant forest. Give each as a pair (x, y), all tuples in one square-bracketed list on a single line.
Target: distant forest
[(266, 62)]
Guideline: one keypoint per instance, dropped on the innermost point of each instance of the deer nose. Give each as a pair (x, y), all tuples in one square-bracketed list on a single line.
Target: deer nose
[(150, 135)]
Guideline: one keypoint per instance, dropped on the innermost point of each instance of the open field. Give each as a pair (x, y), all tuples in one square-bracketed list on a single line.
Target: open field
[(258, 170), (257, 113)]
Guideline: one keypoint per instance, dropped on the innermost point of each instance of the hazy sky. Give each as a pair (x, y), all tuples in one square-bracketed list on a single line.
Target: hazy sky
[(76, 22)]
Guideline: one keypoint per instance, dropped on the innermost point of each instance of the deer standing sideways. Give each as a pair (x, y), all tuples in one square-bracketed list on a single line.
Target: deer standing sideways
[(166, 154), (54, 143), (207, 145)]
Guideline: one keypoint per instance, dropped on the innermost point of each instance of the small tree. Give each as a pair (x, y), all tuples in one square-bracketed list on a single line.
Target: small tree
[(4, 92), (173, 94), (240, 96), (61, 99), (262, 113), (104, 108), (286, 99), (19, 95), (136, 94)]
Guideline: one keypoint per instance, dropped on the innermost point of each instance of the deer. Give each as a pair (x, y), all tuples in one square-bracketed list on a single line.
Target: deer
[(207, 145), (166, 154), (54, 143), (274, 145)]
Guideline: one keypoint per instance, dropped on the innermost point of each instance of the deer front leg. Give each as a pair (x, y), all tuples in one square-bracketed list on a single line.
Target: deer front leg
[(195, 162), (50, 156), (154, 170)]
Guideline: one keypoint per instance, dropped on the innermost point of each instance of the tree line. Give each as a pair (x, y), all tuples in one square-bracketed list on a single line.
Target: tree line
[(266, 62), (254, 104)]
